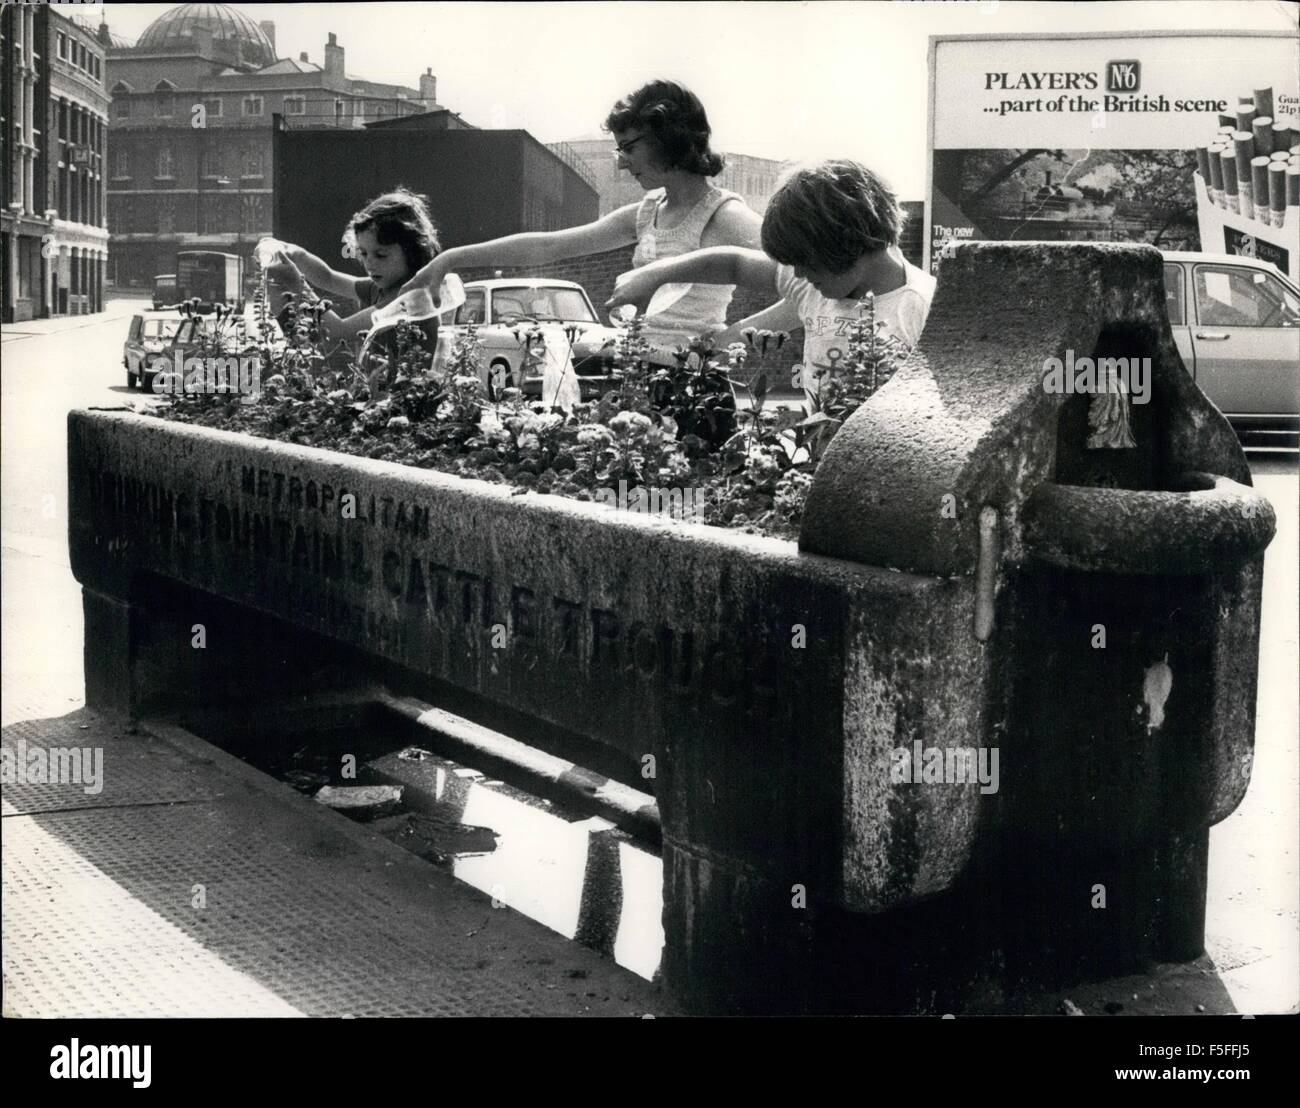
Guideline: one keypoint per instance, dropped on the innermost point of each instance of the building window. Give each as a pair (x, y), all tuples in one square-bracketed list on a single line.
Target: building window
[(166, 216), (252, 163), (252, 105), (164, 162), (121, 163), (95, 67), (63, 45), (163, 105), (213, 106), (211, 163), (295, 105), (122, 108)]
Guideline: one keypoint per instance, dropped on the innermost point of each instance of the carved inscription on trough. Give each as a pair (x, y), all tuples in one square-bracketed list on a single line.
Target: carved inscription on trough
[(392, 576)]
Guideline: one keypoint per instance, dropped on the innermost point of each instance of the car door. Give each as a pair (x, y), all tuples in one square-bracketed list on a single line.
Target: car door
[(134, 347), (1246, 339), (1176, 308), (501, 345)]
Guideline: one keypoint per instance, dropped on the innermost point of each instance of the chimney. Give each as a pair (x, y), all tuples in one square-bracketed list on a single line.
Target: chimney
[(268, 29), (303, 56), (428, 88), (333, 56), (105, 39)]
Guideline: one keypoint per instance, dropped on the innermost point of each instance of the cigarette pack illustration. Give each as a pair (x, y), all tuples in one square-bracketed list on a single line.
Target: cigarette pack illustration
[(1248, 184)]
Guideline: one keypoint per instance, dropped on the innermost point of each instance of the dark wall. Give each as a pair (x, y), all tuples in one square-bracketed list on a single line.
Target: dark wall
[(476, 182)]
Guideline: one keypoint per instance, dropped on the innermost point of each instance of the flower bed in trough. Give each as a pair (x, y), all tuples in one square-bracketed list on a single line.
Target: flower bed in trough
[(669, 441)]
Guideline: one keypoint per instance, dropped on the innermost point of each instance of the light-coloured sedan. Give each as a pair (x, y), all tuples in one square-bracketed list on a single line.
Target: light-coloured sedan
[(1236, 321)]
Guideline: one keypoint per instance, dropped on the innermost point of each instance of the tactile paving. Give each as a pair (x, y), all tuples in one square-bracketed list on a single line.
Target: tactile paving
[(301, 911)]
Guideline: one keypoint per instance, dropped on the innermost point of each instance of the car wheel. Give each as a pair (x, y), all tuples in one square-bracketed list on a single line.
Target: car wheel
[(130, 378)]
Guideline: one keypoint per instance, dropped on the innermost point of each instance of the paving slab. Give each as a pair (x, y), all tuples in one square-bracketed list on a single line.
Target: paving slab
[(193, 884)]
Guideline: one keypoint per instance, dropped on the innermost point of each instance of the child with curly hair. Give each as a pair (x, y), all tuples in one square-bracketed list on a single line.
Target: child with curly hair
[(392, 237)]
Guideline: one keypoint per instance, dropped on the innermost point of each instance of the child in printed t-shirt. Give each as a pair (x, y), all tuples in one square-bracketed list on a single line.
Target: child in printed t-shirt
[(830, 236)]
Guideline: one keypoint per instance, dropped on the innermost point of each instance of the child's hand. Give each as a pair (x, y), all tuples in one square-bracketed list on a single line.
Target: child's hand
[(635, 287), (285, 275)]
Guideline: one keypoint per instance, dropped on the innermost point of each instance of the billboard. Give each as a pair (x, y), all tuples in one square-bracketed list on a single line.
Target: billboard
[(1117, 137)]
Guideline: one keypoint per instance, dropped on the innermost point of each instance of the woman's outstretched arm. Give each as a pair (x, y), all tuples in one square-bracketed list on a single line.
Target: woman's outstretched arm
[(532, 248)]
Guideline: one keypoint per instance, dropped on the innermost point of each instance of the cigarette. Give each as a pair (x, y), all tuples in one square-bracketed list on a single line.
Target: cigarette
[(1228, 121), (1245, 114), (1259, 187), (1262, 129), (1203, 163), (1292, 186), (1277, 193), (1296, 149), (1281, 136), (1216, 175), (1228, 158), (1244, 141), (1246, 199), (1264, 101)]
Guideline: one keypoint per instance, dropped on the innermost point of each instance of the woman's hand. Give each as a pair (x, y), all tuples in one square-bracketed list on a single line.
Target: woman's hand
[(635, 287), (428, 277)]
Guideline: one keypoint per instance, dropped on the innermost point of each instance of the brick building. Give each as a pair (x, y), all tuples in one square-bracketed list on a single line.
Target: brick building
[(483, 183), (53, 132), (192, 117)]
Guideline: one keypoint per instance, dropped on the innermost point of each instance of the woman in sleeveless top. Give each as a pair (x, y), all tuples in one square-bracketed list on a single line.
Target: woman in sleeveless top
[(661, 137)]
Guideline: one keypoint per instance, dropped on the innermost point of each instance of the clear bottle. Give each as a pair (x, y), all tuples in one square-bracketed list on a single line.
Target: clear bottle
[(415, 306)]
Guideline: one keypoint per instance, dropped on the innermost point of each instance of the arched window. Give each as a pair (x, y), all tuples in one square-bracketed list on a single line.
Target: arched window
[(164, 162)]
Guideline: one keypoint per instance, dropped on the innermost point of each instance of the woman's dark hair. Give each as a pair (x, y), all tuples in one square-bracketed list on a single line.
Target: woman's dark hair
[(401, 218), (676, 119)]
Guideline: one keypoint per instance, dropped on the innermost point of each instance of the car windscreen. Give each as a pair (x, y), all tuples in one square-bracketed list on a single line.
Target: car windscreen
[(540, 303), (161, 328)]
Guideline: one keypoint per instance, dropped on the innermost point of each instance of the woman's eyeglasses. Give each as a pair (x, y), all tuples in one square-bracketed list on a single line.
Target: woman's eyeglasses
[(623, 148)]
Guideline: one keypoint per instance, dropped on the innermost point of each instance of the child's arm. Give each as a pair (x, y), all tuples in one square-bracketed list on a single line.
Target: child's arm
[(781, 316), (532, 248), (320, 275), (715, 265), (287, 277)]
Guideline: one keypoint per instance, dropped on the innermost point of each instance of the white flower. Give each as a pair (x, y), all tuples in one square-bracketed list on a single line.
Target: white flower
[(540, 424), (465, 381), (626, 423), (528, 441), (593, 435), (399, 423)]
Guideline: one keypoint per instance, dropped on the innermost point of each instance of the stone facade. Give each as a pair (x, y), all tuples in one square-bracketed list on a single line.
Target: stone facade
[(194, 106), (55, 122)]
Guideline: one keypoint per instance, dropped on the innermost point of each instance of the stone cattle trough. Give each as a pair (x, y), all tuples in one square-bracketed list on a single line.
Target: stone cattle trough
[(894, 770)]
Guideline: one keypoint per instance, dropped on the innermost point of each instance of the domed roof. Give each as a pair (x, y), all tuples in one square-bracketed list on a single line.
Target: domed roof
[(232, 32)]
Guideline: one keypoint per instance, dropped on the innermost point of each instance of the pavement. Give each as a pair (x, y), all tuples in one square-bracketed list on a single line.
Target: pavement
[(193, 884)]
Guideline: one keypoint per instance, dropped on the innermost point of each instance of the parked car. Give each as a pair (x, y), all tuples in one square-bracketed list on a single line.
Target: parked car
[(154, 336), (1236, 321), (164, 291), (504, 306)]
